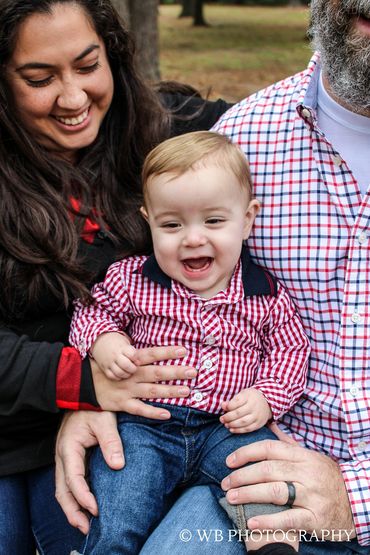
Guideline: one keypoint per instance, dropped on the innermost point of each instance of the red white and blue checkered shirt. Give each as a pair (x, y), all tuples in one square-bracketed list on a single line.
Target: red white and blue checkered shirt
[(247, 335), (313, 235)]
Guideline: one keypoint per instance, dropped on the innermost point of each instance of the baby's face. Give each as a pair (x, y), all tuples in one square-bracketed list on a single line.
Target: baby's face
[(198, 222)]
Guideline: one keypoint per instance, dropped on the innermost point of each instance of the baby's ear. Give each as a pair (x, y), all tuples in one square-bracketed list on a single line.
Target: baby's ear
[(144, 213)]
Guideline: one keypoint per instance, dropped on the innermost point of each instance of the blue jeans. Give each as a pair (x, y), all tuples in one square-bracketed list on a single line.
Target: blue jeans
[(197, 525), (161, 457), (31, 518)]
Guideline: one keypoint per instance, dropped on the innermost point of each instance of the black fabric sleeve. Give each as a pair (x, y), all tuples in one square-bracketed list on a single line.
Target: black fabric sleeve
[(191, 113), (27, 373)]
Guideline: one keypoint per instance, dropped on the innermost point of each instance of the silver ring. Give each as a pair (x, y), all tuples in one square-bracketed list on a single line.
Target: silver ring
[(291, 494)]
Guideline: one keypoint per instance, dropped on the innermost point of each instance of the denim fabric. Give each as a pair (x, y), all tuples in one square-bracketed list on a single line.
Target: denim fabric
[(197, 525), (189, 449), (30, 516)]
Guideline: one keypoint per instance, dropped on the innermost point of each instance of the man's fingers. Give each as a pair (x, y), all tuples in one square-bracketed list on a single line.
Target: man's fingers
[(69, 503), (292, 519), (282, 436), (110, 443), (73, 512), (274, 492), (156, 354), (261, 473), (268, 449)]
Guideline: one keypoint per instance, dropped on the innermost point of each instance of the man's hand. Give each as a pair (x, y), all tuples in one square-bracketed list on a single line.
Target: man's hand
[(84, 429), (246, 412), (321, 502), (78, 432)]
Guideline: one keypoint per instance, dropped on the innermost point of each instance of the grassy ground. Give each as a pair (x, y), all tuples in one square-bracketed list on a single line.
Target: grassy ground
[(242, 50)]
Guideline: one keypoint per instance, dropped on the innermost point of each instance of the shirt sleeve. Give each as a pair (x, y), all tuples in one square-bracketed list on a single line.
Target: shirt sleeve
[(192, 113), (356, 476), (31, 371), (108, 312), (283, 370)]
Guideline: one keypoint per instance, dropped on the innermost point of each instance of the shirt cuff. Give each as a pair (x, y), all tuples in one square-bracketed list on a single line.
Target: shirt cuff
[(276, 397), (74, 384), (356, 477)]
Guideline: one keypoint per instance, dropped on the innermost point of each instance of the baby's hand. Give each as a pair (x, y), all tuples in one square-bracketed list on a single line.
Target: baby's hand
[(113, 353), (246, 412)]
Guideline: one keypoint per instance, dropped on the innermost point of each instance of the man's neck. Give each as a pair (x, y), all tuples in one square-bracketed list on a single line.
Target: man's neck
[(363, 112)]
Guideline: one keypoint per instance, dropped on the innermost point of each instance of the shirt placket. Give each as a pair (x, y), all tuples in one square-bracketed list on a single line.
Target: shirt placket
[(355, 337), (209, 356)]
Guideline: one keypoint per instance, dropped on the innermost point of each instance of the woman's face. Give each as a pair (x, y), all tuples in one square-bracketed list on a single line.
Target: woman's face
[(60, 79)]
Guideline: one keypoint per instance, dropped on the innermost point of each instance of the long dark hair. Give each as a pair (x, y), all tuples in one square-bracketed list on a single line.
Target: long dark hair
[(38, 237)]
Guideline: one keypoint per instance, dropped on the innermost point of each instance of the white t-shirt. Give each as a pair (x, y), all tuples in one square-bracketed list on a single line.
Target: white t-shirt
[(349, 133)]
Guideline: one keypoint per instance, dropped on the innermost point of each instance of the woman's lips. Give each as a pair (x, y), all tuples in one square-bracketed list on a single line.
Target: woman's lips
[(74, 123)]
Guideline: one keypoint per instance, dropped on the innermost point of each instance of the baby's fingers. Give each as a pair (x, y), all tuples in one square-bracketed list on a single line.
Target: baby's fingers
[(234, 414), (126, 365)]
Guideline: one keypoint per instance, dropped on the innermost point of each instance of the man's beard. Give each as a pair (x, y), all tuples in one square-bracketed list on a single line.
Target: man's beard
[(345, 53)]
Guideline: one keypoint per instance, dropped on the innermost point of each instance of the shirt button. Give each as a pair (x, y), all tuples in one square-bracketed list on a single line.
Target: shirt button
[(207, 364), (197, 396), (361, 446), (362, 238), (337, 160), (306, 113), (210, 340), (354, 390), (356, 318)]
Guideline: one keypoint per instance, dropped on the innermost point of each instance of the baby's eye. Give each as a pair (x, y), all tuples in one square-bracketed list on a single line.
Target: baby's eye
[(214, 221), (170, 225)]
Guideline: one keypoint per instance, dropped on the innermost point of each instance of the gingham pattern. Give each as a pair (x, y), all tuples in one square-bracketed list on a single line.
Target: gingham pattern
[(233, 342), (313, 234)]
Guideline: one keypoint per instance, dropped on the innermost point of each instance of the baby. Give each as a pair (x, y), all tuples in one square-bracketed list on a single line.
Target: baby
[(199, 289)]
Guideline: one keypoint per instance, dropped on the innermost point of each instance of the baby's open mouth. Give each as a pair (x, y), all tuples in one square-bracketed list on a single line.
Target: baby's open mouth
[(197, 264)]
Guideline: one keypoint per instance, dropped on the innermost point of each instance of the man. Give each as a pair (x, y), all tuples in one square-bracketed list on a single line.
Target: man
[(307, 140)]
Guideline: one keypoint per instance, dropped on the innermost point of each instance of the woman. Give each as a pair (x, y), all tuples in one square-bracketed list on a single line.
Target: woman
[(75, 124)]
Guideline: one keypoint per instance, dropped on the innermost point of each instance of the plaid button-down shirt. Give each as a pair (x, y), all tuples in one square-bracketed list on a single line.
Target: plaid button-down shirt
[(248, 335), (313, 234)]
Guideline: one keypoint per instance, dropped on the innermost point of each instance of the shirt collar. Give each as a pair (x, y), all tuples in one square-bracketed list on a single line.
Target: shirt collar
[(256, 280), (307, 100)]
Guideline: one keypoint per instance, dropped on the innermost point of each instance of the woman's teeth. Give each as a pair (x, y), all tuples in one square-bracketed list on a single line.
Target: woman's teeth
[(73, 121)]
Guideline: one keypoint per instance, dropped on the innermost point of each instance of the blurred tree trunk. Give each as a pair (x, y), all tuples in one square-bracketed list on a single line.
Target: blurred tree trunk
[(187, 8), (142, 19), (194, 9), (198, 13)]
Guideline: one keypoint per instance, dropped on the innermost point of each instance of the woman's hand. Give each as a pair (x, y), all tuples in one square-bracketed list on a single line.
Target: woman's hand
[(125, 395)]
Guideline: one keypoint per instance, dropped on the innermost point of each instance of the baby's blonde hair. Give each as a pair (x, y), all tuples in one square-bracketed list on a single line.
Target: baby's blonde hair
[(196, 149)]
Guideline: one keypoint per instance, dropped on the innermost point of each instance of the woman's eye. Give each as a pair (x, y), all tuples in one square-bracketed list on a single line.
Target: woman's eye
[(39, 82), (90, 69)]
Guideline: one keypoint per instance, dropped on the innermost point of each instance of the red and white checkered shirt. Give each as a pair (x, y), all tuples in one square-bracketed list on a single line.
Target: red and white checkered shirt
[(248, 335), (313, 234)]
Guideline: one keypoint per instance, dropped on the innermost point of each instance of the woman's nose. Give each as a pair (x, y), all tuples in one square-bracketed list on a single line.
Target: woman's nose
[(72, 97)]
